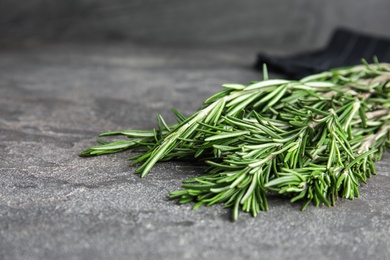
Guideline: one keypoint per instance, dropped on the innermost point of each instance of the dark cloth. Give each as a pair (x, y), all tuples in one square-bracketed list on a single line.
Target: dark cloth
[(345, 48)]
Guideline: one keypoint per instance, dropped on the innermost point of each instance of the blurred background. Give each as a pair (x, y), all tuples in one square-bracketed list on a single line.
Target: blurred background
[(265, 24)]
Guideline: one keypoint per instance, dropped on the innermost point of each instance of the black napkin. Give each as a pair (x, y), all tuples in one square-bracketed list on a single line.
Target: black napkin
[(345, 48)]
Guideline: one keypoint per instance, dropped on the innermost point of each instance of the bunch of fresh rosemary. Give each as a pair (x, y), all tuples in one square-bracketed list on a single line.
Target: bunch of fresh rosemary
[(311, 140)]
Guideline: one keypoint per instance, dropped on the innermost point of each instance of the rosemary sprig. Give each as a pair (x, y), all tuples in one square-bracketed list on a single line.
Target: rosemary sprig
[(312, 140)]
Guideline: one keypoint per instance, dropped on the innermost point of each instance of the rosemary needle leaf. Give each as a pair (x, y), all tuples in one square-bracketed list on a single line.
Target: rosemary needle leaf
[(311, 140)]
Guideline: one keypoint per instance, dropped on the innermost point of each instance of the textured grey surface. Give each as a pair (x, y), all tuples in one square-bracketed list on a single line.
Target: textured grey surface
[(54, 99)]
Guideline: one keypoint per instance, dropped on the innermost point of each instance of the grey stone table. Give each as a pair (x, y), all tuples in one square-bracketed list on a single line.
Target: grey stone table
[(55, 99)]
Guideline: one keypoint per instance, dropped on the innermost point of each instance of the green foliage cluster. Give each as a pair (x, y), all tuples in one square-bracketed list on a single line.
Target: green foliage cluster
[(311, 140)]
